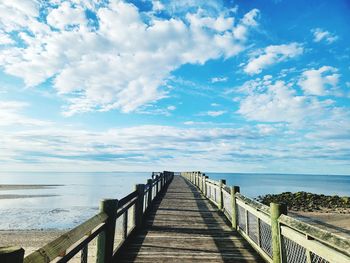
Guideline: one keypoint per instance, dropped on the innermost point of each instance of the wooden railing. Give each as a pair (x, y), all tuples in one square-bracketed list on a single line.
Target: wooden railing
[(101, 226), (274, 235)]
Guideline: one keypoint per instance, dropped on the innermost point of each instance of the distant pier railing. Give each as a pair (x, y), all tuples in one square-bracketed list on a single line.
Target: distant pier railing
[(131, 209), (274, 235)]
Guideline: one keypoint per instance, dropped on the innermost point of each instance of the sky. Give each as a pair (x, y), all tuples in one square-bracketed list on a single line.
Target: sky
[(225, 86)]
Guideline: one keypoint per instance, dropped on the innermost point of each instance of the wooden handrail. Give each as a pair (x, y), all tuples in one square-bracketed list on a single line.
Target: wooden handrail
[(255, 204), (331, 239), (334, 245), (127, 198), (56, 247), (101, 225)]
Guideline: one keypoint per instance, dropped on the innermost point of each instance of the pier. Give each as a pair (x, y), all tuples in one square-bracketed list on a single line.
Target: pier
[(187, 217)]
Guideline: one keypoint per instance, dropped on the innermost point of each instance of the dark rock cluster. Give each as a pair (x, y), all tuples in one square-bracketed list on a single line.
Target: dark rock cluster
[(303, 201)]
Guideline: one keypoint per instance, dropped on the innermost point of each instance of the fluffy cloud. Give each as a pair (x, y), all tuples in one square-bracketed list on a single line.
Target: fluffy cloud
[(123, 61), (323, 35), (153, 147), (215, 113), (10, 114), (249, 20), (66, 16), (269, 101), (271, 55), (218, 79), (320, 82), (5, 39)]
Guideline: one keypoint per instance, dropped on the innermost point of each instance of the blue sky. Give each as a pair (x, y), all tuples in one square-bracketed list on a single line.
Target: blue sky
[(234, 86)]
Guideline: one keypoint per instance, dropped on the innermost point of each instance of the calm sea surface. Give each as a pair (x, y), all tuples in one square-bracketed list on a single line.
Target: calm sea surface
[(78, 197)]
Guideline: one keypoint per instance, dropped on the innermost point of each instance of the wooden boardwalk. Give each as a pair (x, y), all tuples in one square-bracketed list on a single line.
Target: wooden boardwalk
[(183, 226), (169, 220)]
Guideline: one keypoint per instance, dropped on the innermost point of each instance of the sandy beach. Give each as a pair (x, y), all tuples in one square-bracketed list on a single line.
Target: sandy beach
[(12, 187), (5, 187)]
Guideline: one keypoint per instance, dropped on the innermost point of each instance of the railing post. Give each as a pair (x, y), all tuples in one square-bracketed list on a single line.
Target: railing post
[(149, 197), (234, 189), (275, 211), (221, 198), (105, 240), (202, 182), (205, 186), (162, 180), (140, 188), (11, 254), (157, 184), (125, 225)]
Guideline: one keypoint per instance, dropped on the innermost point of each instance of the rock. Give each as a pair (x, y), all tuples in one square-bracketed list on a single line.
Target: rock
[(303, 201)]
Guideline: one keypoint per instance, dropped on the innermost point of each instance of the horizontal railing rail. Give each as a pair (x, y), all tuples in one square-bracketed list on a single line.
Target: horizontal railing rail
[(274, 235), (101, 227)]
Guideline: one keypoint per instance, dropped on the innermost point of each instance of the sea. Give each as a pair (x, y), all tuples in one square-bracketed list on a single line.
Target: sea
[(76, 196)]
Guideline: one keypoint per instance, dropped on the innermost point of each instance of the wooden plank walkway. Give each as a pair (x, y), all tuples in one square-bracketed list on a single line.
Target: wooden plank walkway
[(184, 227)]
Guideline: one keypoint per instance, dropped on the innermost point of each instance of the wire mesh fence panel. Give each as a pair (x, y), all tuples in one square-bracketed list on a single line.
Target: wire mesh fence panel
[(265, 237), (241, 218), (227, 203), (212, 192), (217, 193), (317, 259), (253, 227), (294, 253)]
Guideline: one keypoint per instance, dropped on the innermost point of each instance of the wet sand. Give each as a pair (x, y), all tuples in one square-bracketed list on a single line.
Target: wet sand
[(12, 187), (6, 187)]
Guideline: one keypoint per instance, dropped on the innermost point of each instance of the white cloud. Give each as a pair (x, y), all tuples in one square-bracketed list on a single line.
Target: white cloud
[(218, 79), (5, 39), (150, 147), (17, 14), (215, 113), (157, 6), (278, 102), (171, 107), (271, 55), (320, 82), (320, 35), (10, 114), (124, 63), (66, 15), (249, 20)]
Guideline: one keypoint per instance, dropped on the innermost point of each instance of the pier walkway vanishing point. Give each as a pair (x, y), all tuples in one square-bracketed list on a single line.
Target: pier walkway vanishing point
[(186, 217), (185, 227)]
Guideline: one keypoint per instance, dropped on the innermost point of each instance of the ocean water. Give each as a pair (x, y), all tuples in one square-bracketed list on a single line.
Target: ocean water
[(77, 198), (253, 185)]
